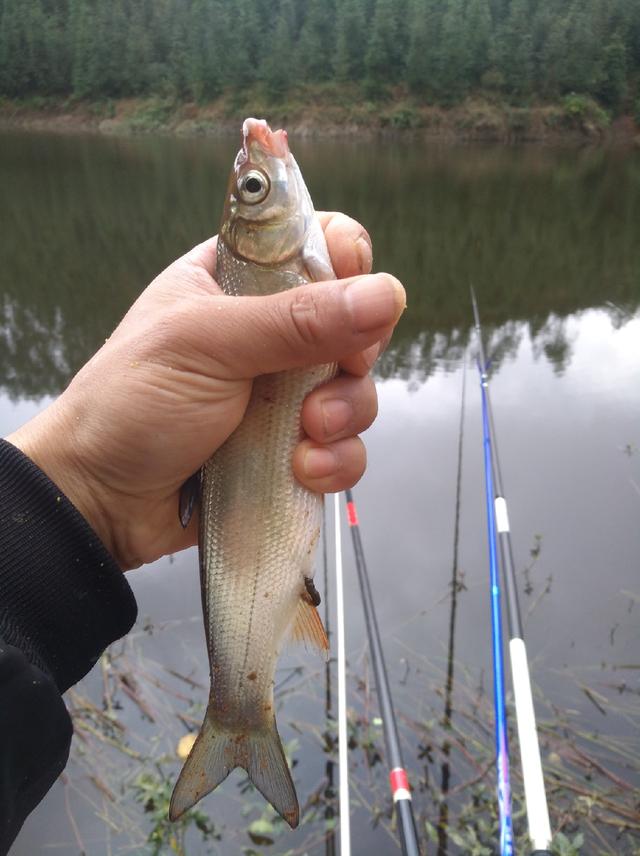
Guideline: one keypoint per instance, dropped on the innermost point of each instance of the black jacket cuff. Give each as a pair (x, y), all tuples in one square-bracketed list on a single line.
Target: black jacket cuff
[(63, 598)]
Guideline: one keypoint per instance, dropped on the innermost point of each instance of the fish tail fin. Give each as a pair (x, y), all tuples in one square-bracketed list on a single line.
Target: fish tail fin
[(268, 770), (217, 752), (206, 766)]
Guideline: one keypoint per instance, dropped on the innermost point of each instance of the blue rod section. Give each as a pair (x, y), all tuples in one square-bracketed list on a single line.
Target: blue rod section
[(502, 745)]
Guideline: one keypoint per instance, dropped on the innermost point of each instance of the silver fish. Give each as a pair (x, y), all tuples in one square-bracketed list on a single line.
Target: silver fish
[(259, 525)]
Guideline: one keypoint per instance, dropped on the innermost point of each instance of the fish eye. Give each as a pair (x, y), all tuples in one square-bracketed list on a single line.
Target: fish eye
[(253, 187)]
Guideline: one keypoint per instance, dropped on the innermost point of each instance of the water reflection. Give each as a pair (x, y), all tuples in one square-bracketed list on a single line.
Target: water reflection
[(86, 223), (549, 240)]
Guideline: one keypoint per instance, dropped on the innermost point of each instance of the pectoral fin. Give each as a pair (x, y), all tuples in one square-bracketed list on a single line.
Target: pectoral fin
[(189, 494), (316, 255)]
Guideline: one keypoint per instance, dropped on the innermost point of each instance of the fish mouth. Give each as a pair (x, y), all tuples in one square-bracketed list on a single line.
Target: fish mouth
[(257, 132)]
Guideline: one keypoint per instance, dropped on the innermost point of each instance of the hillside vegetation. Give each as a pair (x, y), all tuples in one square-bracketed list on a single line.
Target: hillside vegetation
[(582, 54)]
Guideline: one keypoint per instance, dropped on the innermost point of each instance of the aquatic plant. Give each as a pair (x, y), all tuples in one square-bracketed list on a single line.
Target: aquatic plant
[(128, 725)]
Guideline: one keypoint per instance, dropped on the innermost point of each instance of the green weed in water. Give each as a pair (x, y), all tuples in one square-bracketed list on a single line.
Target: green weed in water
[(153, 792)]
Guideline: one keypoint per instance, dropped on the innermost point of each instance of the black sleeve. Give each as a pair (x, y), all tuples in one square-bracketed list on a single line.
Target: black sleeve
[(35, 733), (63, 599)]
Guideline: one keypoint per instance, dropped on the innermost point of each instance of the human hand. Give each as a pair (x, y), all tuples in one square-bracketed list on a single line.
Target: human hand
[(173, 381)]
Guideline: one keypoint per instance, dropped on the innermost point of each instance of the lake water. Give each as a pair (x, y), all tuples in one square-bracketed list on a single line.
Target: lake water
[(551, 242)]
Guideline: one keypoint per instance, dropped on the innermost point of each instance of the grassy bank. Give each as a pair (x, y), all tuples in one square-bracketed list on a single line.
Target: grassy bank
[(331, 111)]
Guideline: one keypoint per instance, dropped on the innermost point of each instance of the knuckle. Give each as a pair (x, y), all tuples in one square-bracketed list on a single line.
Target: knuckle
[(305, 316)]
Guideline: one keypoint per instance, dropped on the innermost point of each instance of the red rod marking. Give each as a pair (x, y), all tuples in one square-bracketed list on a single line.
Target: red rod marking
[(352, 515), (398, 780)]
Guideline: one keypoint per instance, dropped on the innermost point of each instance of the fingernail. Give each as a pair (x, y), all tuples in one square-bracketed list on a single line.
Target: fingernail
[(319, 463), (374, 301), (336, 414), (365, 253)]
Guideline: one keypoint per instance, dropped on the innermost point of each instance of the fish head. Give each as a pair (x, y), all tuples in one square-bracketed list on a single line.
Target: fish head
[(268, 209)]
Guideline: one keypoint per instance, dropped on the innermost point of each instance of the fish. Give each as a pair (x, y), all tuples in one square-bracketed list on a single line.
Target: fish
[(258, 525)]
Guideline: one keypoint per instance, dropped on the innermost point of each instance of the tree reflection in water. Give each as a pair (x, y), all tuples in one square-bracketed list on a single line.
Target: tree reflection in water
[(542, 234)]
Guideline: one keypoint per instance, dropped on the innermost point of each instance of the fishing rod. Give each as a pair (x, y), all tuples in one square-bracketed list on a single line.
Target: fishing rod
[(343, 736), (534, 790), (398, 776), (456, 587), (329, 792), (502, 743)]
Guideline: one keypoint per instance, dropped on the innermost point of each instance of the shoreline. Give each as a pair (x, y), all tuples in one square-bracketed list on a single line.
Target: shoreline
[(576, 121)]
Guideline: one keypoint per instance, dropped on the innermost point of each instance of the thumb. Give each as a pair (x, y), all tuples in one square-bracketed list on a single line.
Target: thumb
[(308, 325)]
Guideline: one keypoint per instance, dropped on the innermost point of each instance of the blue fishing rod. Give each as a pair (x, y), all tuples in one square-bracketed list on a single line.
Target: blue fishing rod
[(498, 522), (502, 743)]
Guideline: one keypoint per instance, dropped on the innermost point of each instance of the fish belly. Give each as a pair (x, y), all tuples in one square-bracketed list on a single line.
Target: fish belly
[(258, 530)]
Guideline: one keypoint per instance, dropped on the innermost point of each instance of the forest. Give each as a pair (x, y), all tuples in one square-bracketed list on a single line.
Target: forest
[(439, 51)]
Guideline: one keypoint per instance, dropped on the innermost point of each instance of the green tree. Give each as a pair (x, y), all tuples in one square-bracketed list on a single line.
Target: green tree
[(350, 40), (477, 37), (514, 48), (612, 85), (138, 50), (277, 64), (15, 72), (455, 50), (112, 23), (177, 56), (203, 68), (84, 48), (440, 49), (241, 38), (383, 59), (551, 54), (582, 48), (423, 53), (317, 39)]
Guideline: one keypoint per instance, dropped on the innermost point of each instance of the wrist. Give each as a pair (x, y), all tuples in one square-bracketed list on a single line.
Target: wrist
[(51, 443)]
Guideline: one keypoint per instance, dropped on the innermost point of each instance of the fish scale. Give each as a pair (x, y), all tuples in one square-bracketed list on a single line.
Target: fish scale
[(267, 556), (258, 525)]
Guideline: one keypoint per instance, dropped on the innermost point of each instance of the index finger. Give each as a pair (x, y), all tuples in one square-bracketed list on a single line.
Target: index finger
[(204, 255), (360, 364), (348, 242)]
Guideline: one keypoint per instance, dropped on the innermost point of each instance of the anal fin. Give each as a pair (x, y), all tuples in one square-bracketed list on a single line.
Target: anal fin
[(307, 627)]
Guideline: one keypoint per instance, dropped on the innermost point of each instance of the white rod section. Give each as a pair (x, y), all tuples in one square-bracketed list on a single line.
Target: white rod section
[(343, 737), (502, 516), (536, 799)]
